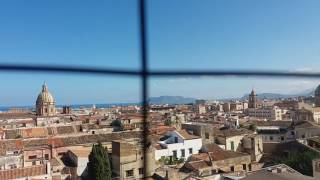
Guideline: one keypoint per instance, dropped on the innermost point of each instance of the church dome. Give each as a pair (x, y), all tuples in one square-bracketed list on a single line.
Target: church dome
[(317, 91), (45, 96)]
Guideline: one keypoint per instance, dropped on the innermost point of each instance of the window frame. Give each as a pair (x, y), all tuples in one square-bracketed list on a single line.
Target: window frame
[(144, 74)]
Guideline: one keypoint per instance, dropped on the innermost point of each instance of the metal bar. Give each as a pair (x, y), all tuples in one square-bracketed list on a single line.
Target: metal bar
[(154, 73), (144, 81), (68, 69), (236, 73)]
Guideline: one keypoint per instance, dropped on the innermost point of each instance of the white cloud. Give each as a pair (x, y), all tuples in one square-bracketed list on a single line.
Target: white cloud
[(305, 70)]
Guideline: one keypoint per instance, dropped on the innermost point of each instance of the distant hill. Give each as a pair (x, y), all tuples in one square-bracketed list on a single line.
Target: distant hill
[(308, 92), (171, 100)]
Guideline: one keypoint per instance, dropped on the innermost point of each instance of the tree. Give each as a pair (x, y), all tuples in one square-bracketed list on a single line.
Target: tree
[(252, 127), (99, 163), (168, 122), (171, 160), (300, 161), (116, 122)]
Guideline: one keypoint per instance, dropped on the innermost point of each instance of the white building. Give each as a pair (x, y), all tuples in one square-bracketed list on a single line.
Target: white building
[(201, 109), (178, 144)]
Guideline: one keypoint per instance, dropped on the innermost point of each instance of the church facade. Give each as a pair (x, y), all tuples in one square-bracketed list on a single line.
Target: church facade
[(45, 104)]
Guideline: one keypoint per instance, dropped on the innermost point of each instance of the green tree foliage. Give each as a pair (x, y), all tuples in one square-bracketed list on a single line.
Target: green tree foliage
[(18, 136), (300, 161), (171, 160), (116, 122), (99, 163), (252, 127), (168, 122)]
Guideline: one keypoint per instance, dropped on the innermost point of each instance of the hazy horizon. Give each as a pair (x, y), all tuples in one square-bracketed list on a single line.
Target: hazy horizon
[(221, 35)]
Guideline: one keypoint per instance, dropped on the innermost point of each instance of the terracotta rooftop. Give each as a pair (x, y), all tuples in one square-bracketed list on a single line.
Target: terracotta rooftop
[(197, 165), (33, 132), (233, 132), (16, 115), (216, 154), (23, 172), (81, 151), (281, 172), (65, 141), (306, 124), (186, 135), (161, 129), (132, 116), (273, 123)]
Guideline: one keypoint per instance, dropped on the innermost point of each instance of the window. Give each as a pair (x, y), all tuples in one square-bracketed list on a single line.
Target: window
[(34, 163), (282, 138), (244, 167), (206, 135), (145, 76), (175, 139), (46, 156), (129, 173), (141, 171), (183, 153), (174, 154), (271, 138), (214, 171), (232, 168), (232, 145), (303, 136), (33, 157)]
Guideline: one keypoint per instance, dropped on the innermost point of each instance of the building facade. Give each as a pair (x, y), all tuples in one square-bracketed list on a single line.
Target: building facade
[(269, 113), (128, 160), (252, 100)]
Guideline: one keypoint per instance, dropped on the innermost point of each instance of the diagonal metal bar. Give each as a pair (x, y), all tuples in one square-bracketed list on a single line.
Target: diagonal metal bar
[(68, 69), (155, 73), (236, 73)]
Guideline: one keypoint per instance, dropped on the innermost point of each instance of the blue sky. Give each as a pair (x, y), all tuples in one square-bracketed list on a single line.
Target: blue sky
[(183, 34)]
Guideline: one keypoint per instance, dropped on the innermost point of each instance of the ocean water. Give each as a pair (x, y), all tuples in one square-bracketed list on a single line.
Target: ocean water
[(74, 106)]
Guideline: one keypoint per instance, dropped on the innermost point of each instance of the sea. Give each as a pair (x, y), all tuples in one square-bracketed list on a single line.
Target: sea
[(74, 106)]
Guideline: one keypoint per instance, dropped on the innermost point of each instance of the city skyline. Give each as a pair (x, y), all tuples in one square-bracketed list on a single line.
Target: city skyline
[(72, 99), (268, 35)]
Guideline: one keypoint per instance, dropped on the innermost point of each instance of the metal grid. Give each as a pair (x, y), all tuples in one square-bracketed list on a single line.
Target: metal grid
[(144, 74)]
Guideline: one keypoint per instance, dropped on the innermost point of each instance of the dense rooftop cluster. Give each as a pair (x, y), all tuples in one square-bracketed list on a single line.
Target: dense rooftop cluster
[(232, 139)]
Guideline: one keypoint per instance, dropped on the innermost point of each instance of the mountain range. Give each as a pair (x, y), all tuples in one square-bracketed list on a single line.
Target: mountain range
[(308, 92), (188, 100)]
